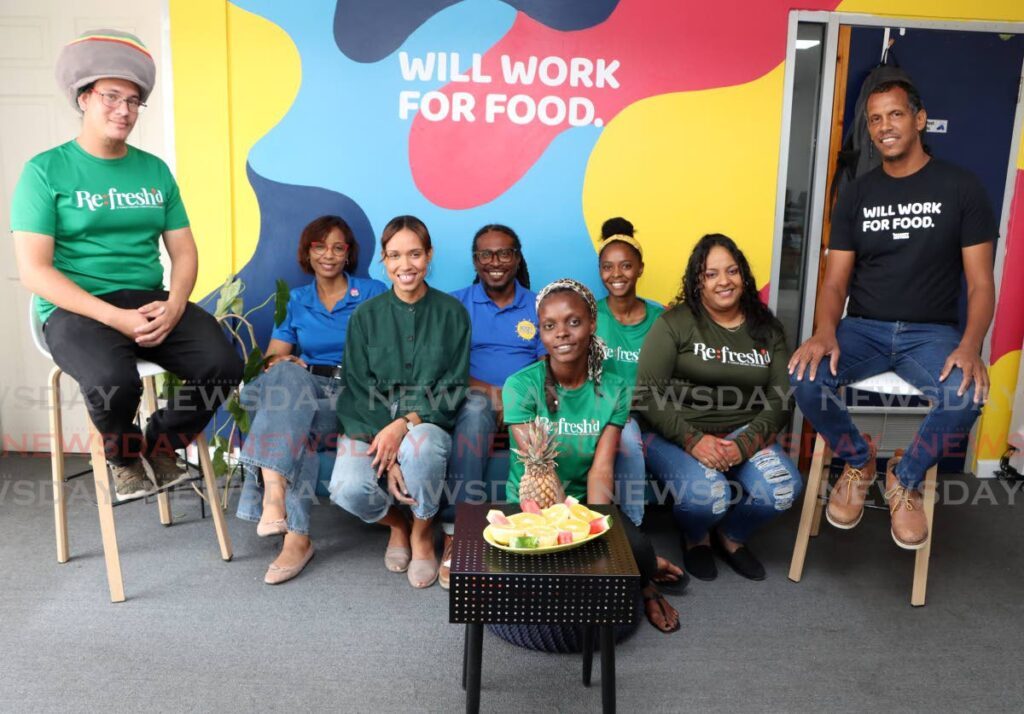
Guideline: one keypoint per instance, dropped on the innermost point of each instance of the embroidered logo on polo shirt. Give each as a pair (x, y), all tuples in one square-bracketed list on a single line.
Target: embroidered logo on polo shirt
[(354, 292), (526, 330)]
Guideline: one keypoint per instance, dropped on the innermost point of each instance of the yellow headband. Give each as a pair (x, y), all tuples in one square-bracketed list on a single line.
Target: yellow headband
[(629, 240)]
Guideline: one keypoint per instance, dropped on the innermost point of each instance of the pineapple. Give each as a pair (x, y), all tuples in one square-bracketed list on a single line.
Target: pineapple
[(540, 480)]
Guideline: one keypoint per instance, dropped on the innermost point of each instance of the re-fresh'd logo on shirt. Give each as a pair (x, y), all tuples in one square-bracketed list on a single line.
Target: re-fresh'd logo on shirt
[(621, 355), (754, 358), (584, 427), (117, 200)]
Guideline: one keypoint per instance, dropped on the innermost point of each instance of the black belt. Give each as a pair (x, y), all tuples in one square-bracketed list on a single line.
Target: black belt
[(325, 370)]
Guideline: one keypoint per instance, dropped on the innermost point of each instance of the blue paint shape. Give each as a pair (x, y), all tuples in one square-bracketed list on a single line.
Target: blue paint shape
[(370, 30), (284, 211)]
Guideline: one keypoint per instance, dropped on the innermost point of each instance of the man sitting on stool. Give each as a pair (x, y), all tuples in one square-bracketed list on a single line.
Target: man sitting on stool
[(902, 235)]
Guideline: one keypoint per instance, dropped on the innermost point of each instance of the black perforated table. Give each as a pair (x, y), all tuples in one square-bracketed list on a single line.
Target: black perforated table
[(596, 584)]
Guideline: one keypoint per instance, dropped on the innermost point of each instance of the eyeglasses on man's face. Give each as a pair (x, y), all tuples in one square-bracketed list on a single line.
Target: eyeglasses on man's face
[(504, 255), (112, 100), (319, 248)]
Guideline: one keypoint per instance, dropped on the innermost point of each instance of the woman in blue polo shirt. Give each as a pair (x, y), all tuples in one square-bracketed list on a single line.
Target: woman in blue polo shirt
[(290, 404), (504, 323)]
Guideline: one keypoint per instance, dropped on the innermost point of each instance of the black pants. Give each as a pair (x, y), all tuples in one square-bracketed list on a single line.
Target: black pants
[(102, 361), (643, 551)]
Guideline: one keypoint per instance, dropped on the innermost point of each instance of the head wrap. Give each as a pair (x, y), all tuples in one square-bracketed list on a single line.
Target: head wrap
[(596, 352), (622, 238), (104, 54)]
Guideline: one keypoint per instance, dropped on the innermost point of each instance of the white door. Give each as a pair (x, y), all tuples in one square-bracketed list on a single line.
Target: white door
[(35, 116)]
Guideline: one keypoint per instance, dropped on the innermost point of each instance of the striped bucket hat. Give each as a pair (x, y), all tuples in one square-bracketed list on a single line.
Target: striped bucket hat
[(104, 54)]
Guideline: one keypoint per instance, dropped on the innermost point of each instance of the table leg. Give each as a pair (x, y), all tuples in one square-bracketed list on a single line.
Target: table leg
[(608, 669), (475, 635), (588, 653), (465, 656)]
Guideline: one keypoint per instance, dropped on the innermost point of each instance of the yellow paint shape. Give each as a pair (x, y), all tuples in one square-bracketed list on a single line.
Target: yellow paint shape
[(995, 419), (685, 164), (236, 74), (988, 10)]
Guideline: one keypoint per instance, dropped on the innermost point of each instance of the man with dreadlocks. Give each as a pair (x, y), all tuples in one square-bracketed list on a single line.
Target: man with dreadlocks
[(586, 410), (503, 319)]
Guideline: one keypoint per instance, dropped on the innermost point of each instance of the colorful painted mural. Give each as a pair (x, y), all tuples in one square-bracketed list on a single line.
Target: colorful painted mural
[(550, 117)]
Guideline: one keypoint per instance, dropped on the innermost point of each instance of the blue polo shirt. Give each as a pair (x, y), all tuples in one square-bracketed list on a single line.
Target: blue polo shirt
[(319, 334), (504, 339)]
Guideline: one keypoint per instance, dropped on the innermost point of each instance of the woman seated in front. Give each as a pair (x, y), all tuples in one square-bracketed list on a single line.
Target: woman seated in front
[(406, 368), (290, 403), (712, 387), (587, 409)]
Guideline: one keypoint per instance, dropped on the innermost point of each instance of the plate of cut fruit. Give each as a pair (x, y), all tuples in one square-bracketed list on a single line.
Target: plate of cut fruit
[(534, 531)]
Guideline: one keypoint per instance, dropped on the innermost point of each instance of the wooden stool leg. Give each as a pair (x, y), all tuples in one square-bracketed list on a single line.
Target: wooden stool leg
[(210, 482), (106, 514), (921, 557), (60, 504), (826, 463), (149, 399), (812, 494)]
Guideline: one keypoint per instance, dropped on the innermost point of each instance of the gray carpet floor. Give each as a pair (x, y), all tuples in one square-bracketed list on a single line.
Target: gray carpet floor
[(199, 634)]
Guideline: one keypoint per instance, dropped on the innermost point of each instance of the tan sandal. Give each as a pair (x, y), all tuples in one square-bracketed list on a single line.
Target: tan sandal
[(396, 558), (422, 570)]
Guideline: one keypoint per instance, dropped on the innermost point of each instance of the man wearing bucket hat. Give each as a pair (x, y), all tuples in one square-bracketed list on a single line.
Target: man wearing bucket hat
[(87, 218)]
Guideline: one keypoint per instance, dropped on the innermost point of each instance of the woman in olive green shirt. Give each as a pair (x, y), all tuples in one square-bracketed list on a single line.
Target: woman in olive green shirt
[(713, 388), (405, 370)]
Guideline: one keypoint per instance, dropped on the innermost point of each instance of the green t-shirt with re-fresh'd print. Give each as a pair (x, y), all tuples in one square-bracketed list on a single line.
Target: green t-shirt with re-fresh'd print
[(582, 415), (106, 216), (624, 341)]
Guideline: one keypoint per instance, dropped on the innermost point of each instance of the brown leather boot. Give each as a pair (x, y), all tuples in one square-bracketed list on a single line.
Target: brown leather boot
[(846, 504), (906, 508)]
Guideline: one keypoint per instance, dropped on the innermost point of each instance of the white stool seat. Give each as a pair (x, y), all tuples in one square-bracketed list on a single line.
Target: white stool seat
[(887, 383)]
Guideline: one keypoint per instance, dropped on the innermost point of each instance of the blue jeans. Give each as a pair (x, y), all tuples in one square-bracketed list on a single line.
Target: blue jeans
[(914, 351), (423, 458), (291, 411), (631, 473), (765, 486), (472, 438)]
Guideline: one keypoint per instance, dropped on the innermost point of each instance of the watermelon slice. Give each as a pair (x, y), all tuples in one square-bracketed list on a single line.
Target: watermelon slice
[(530, 506), (525, 542), (599, 525), (564, 538), (499, 519), (570, 501)]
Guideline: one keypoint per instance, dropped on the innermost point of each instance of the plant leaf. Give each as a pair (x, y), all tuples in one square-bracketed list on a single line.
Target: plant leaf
[(239, 414), (220, 466), (229, 300), (282, 294), (253, 365)]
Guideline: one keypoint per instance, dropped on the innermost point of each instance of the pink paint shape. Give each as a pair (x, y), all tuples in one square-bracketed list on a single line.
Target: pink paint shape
[(661, 46), (1008, 328)]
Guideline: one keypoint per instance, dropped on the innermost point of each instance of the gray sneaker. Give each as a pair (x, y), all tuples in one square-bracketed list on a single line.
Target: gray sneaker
[(131, 480), (166, 470)]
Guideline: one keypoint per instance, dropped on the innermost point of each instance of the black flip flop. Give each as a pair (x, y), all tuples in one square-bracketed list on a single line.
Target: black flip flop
[(673, 587), (660, 599)]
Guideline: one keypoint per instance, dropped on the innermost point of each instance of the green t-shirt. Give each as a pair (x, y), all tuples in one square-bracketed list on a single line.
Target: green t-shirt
[(582, 415), (106, 216), (624, 341)]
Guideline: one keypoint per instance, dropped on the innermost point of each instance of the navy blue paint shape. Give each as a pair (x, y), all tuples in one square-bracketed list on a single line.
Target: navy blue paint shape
[(284, 211), (370, 30)]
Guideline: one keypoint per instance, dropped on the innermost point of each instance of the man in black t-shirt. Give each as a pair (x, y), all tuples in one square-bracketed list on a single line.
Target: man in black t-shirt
[(902, 235)]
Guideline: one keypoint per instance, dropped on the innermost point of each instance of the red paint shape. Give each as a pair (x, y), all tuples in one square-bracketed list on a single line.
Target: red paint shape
[(662, 46), (763, 293), (1008, 329)]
